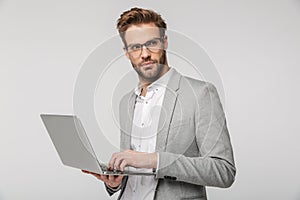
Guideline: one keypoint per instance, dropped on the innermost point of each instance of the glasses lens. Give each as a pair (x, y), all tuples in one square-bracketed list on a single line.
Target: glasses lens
[(153, 46)]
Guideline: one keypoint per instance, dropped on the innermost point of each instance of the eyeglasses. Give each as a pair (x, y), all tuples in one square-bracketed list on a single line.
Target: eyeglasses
[(154, 45)]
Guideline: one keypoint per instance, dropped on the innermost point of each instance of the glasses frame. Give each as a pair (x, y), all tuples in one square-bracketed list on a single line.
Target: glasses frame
[(144, 45)]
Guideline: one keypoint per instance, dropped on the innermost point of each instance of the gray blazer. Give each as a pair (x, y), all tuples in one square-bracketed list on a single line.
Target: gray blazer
[(192, 140)]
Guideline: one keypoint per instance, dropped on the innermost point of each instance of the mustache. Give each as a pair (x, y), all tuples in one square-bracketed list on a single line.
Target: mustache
[(147, 61)]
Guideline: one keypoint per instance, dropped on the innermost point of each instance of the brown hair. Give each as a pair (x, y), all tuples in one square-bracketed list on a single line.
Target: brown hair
[(136, 16)]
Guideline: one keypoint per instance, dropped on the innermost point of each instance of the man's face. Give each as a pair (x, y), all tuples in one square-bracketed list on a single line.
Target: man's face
[(146, 51)]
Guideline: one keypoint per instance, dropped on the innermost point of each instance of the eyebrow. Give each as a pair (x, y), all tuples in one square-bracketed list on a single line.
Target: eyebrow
[(142, 43)]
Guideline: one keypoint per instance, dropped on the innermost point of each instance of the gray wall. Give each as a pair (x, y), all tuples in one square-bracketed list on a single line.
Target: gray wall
[(254, 45)]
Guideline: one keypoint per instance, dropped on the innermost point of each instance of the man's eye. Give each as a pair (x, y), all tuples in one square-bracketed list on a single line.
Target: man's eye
[(135, 47), (151, 43)]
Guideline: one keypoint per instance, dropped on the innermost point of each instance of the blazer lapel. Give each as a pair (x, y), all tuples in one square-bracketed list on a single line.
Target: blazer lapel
[(126, 140), (167, 109)]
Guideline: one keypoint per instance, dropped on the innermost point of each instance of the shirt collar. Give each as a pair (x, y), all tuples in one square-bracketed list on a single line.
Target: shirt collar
[(161, 82)]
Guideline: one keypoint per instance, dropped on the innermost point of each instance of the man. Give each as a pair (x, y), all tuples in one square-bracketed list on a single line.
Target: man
[(172, 124)]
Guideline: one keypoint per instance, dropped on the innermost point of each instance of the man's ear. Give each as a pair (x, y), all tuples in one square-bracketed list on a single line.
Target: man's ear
[(126, 52), (165, 42)]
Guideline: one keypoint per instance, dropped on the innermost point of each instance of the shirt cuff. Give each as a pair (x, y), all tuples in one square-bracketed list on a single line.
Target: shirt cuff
[(114, 189)]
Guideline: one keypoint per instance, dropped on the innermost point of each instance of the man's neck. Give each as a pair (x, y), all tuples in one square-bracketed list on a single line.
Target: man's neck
[(144, 91), (145, 84)]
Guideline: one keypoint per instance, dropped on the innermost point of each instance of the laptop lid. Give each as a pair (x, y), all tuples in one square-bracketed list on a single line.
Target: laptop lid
[(71, 142), (74, 148)]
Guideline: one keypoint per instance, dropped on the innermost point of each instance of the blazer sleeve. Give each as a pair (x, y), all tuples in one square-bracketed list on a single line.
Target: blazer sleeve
[(215, 164), (112, 191)]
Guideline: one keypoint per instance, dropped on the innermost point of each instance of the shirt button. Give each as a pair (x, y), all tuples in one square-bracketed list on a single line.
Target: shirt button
[(142, 124), (146, 102)]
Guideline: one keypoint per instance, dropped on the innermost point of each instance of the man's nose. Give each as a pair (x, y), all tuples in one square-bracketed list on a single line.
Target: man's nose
[(145, 52)]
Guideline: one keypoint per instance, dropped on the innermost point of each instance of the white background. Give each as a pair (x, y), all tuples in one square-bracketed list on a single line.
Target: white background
[(255, 46)]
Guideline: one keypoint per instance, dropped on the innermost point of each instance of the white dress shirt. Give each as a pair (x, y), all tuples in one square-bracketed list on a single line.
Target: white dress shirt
[(143, 136)]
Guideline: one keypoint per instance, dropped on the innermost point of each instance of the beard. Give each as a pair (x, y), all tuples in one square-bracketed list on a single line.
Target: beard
[(153, 72)]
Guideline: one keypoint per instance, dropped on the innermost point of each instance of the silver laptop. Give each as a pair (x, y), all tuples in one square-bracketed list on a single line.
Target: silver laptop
[(74, 148)]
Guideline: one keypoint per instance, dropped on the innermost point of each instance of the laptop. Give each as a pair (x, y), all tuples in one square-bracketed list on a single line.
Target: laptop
[(74, 148)]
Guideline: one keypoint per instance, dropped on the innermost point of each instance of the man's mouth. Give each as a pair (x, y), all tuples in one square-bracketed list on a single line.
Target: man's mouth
[(147, 64)]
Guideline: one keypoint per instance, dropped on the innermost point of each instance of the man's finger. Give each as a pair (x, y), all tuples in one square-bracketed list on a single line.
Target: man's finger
[(88, 172), (112, 161), (123, 164), (104, 178), (118, 162), (85, 171)]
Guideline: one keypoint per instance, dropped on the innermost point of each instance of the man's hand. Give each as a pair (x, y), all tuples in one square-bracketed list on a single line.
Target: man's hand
[(132, 158), (110, 180)]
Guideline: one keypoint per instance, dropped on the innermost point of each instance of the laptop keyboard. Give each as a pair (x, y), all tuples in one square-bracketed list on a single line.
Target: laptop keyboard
[(108, 171)]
